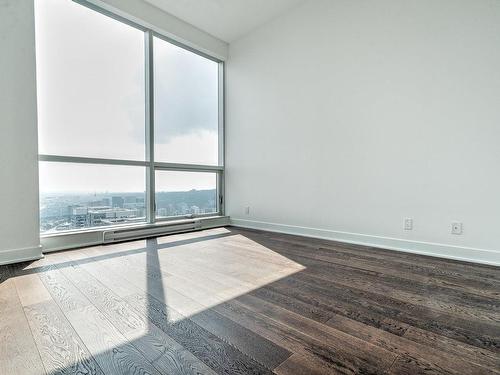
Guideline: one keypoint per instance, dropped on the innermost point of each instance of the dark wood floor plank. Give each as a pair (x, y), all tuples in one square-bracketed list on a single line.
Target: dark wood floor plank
[(353, 357), (374, 315), (220, 356), (424, 304), (357, 349), (444, 299), (405, 347), (479, 270), (473, 285), (470, 353), (483, 333), (313, 351), (260, 349), (483, 281), (452, 360), (407, 364), (301, 365), (470, 331), (419, 285), (293, 304), (417, 268)]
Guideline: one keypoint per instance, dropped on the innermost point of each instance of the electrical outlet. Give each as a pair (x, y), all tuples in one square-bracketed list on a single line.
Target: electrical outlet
[(247, 210), (456, 227), (408, 223)]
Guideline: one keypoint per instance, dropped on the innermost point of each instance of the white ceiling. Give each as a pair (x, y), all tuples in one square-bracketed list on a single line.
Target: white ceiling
[(225, 19)]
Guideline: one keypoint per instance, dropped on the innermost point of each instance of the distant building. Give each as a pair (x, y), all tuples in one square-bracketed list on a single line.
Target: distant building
[(98, 216), (117, 202), (73, 212), (79, 217), (130, 199)]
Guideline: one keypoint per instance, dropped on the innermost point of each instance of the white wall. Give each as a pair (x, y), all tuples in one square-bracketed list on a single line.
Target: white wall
[(18, 133), (345, 117)]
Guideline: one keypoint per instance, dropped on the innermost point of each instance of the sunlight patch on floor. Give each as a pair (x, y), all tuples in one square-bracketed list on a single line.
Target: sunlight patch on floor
[(198, 276), (188, 272)]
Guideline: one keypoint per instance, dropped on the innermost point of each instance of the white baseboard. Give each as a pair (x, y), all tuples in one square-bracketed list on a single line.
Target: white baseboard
[(20, 255), (483, 256)]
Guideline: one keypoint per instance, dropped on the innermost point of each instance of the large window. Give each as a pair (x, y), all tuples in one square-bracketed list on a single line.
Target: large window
[(81, 195), (186, 112), (129, 122), (185, 193), (91, 79)]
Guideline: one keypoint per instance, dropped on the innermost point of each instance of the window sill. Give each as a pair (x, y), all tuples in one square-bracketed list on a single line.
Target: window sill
[(94, 236)]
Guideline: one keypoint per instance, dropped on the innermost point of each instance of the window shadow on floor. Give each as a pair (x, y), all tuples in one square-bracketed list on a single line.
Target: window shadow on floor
[(169, 342)]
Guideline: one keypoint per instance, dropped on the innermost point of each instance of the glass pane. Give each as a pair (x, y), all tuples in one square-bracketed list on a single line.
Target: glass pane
[(185, 193), (78, 196), (186, 106), (90, 83)]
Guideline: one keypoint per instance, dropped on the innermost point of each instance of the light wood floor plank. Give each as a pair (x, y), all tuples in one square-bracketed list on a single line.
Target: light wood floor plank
[(61, 349), (18, 352), (112, 351), (166, 355)]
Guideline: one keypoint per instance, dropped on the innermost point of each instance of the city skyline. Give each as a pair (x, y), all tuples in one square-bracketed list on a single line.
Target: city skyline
[(62, 212)]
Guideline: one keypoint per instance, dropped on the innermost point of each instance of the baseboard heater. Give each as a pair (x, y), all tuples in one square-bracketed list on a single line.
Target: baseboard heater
[(158, 230)]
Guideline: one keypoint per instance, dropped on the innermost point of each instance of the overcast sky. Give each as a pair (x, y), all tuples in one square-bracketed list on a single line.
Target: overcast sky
[(90, 82)]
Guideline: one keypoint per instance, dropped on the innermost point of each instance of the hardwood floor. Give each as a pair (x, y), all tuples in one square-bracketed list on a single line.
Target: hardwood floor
[(235, 301)]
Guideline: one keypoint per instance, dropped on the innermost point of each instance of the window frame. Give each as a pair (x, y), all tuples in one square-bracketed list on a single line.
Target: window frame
[(149, 162)]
